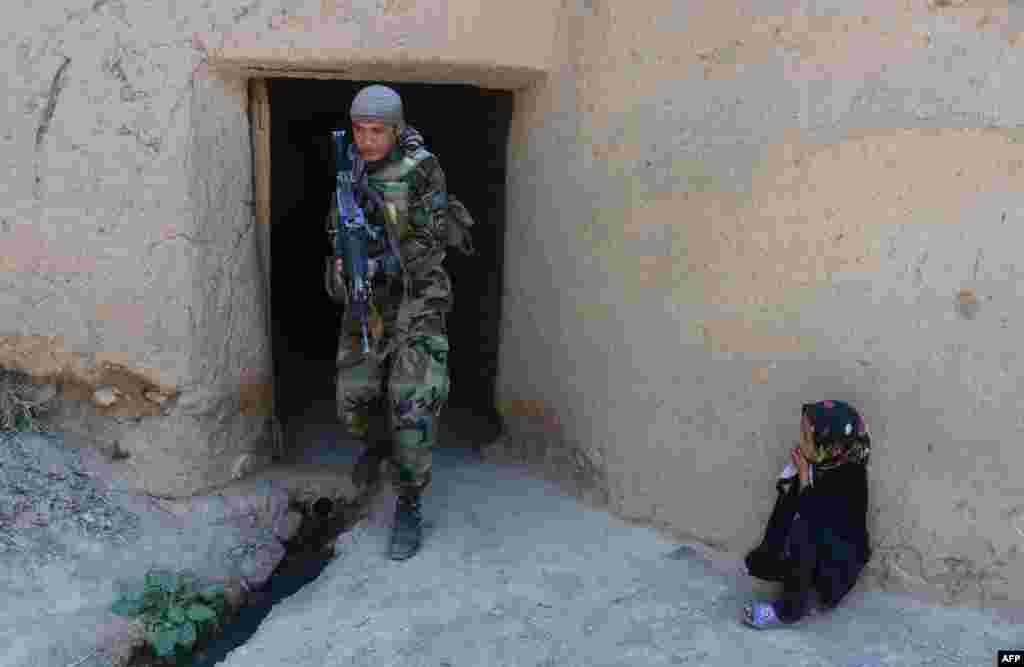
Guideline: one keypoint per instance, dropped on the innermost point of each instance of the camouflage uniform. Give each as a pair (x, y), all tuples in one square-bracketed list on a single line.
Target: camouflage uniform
[(404, 380)]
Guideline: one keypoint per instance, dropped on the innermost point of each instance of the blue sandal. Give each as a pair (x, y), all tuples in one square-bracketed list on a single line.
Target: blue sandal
[(761, 615)]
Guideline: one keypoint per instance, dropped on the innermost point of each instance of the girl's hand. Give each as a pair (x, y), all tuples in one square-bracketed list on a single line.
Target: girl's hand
[(802, 466)]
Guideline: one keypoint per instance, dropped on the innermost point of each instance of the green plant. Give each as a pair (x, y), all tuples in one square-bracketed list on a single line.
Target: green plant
[(173, 610), (22, 408)]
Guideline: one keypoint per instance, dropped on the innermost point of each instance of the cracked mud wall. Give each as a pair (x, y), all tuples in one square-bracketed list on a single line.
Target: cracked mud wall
[(720, 211), (128, 253)]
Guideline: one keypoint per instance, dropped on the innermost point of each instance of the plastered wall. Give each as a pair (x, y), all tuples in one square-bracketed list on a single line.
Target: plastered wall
[(723, 210), (128, 247)]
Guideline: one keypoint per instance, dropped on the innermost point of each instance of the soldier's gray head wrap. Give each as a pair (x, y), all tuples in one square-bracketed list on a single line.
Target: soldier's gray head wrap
[(378, 103)]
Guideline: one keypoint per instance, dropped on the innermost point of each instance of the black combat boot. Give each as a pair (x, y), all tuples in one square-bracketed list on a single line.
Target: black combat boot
[(407, 532), (366, 472)]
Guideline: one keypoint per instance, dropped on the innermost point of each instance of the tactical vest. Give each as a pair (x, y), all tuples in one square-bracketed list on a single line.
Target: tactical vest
[(393, 182)]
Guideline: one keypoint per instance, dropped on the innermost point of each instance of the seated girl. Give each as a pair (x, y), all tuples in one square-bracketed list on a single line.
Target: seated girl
[(817, 538)]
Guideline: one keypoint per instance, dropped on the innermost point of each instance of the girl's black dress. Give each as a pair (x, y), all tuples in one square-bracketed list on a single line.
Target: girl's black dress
[(816, 539)]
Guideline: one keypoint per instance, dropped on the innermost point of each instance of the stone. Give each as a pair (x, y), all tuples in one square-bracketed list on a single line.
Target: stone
[(234, 592), (210, 510), (200, 402), (348, 542), (156, 397), (683, 552), (258, 564), (967, 304), (105, 396), (119, 637), (241, 466), (287, 525)]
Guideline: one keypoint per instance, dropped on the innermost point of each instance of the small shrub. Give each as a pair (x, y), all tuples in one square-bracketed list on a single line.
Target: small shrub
[(174, 611), (20, 409)]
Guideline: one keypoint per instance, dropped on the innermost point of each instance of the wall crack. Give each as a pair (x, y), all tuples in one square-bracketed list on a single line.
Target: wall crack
[(56, 86)]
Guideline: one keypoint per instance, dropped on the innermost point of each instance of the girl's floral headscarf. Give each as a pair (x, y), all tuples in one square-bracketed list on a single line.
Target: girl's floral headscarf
[(840, 434)]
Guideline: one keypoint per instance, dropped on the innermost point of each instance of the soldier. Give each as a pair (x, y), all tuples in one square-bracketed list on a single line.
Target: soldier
[(403, 380)]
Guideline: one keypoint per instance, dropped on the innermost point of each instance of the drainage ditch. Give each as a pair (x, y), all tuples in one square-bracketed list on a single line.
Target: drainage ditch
[(306, 555)]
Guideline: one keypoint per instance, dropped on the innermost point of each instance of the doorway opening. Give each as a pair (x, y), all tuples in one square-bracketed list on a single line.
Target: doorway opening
[(467, 128)]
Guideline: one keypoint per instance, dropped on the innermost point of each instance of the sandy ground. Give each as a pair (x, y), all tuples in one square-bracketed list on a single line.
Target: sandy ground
[(514, 572)]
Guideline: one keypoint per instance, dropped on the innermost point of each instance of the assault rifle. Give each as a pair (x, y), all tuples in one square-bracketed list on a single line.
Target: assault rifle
[(351, 242)]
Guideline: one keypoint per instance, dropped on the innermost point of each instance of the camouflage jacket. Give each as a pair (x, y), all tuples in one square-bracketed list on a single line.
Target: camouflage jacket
[(421, 198), (417, 306)]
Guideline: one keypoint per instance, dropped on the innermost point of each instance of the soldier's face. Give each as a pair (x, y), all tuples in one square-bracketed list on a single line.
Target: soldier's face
[(374, 140)]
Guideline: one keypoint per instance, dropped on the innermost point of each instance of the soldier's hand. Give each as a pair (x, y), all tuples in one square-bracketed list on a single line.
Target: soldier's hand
[(338, 265)]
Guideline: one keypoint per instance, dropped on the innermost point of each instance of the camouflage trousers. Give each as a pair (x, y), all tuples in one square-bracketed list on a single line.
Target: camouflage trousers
[(397, 392)]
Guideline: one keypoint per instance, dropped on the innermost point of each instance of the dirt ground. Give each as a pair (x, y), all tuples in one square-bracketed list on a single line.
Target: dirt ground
[(516, 572)]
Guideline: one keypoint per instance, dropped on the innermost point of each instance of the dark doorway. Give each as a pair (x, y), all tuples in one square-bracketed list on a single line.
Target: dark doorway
[(467, 128)]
